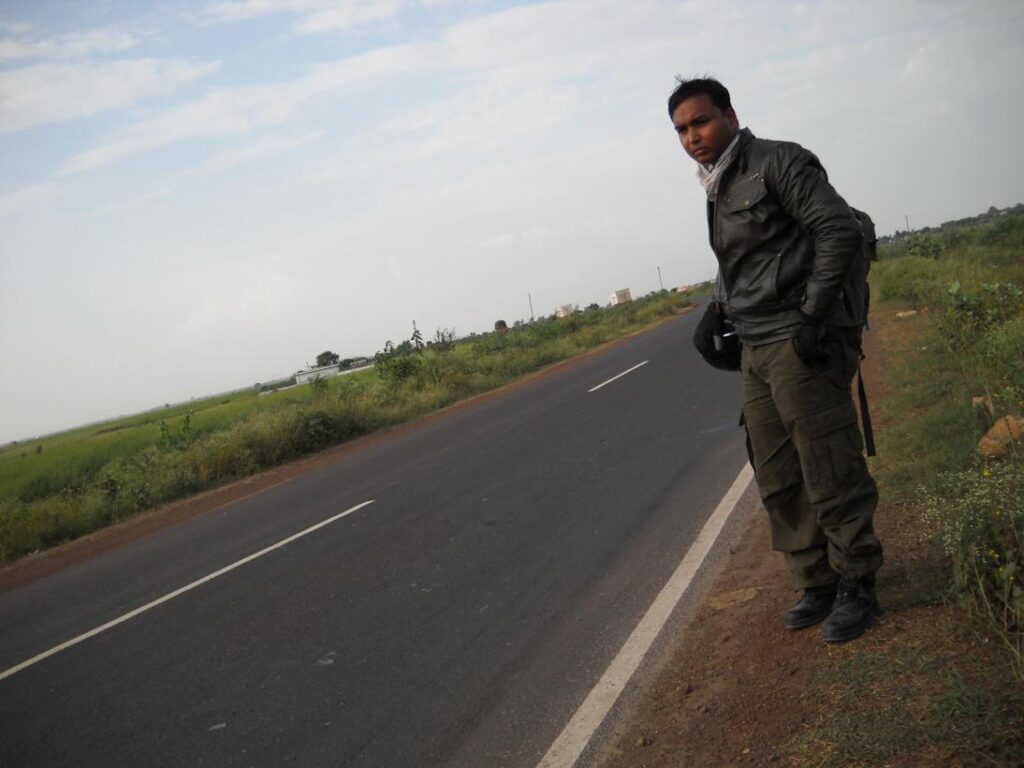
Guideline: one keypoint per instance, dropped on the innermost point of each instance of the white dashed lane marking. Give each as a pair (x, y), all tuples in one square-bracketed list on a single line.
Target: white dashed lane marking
[(618, 376), (180, 591)]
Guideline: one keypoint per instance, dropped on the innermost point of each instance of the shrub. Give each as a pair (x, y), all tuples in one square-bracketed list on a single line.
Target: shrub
[(914, 279), (978, 515), (1007, 233), (971, 313), (1001, 360), (924, 246)]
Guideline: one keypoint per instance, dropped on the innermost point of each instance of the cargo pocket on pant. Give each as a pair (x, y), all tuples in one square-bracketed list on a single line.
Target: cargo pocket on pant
[(830, 447)]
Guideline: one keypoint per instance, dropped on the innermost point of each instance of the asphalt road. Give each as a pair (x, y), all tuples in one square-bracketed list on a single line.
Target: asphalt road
[(458, 620)]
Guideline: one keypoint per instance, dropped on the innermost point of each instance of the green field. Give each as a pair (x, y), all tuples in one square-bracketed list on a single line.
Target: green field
[(68, 484), (34, 469)]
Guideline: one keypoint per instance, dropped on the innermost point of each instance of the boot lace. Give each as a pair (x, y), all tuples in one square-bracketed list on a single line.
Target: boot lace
[(847, 591)]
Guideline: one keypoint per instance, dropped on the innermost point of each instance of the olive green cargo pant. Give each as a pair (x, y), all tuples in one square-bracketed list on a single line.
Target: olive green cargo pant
[(807, 456)]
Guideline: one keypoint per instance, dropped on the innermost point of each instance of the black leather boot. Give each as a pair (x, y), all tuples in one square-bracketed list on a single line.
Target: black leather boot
[(812, 608), (855, 609)]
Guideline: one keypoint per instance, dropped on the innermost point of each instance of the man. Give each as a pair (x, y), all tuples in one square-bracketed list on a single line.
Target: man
[(785, 241)]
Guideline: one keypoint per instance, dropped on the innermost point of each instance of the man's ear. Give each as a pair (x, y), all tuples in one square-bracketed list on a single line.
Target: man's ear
[(730, 115)]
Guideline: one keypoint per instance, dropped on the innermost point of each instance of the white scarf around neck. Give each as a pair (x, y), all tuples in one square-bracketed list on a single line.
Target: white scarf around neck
[(710, 175)]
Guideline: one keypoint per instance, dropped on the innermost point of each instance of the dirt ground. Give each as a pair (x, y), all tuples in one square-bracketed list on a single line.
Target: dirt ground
[(733, 692)]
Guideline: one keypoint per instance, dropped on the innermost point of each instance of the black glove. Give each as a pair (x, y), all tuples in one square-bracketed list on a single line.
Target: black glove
[(809, 342), (717, 349)]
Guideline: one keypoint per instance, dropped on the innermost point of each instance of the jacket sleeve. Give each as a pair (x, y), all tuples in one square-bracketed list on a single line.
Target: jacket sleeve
[(801, 186)]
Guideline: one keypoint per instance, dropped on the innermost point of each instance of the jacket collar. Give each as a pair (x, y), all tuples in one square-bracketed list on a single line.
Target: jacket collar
[(741, 156), (738, 167)]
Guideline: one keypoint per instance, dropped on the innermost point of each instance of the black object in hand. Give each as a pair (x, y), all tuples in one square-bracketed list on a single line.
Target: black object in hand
[(809, 341), (718, 349)]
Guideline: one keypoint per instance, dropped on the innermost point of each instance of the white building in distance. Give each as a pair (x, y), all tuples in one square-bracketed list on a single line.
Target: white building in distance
[(324, 372), (620, 297)]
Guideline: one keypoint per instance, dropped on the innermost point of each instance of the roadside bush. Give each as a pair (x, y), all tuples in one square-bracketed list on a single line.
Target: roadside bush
[(1001, 352), (978, 515), (919, 281), (396, 365), (1006, 233), (925, 246), (970, 314), (220, 457), (984, 329)]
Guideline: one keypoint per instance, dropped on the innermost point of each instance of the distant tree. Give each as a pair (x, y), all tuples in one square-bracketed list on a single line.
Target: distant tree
[(396, 364), (592, 307), (444, 338), (500, 326), (326, 358)]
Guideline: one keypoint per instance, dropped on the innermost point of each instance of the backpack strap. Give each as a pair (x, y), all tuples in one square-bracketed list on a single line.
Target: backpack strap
[(865, 415)]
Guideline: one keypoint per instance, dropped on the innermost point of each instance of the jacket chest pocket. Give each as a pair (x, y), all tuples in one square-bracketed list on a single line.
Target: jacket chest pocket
[(745, 194)]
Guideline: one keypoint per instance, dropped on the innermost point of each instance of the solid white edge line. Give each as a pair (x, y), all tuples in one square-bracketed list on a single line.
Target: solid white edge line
[(181, 590), (576, 735), (619, 376)]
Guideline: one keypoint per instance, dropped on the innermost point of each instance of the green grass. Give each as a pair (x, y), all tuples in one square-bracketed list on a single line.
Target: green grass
[(920, 277), (940, 681), (906, 706), (38, 468), (65, 485), (955, 357)]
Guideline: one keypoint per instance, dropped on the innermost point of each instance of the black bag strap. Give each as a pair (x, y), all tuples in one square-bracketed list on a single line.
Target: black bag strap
[(865, 415)]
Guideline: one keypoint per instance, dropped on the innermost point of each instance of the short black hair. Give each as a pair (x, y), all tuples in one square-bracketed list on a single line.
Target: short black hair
[(698, 86)]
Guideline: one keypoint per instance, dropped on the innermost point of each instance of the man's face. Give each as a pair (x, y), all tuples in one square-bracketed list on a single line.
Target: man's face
[(704, 130)]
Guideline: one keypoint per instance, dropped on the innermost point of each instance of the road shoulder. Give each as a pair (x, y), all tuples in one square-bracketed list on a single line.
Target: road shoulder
[(729, 689)]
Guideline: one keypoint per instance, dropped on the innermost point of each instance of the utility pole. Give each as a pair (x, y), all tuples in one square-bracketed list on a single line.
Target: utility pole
[(907, 219), (659, 279), (530, 297)]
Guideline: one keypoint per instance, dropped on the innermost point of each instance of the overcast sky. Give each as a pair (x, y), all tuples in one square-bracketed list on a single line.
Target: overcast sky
[(196, 196)]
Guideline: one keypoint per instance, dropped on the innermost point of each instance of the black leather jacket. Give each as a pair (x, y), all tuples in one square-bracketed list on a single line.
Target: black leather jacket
[(784, 239)]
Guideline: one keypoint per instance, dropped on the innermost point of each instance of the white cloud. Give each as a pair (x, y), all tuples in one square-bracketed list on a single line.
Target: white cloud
[(317, 16), (21, 199), (15, 27), (530, 237), (71, 45), (239, 296), (395, 268), (273, 145), (500, 242), (230, 111), (49, 93), (240, 10), (348, 16)]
